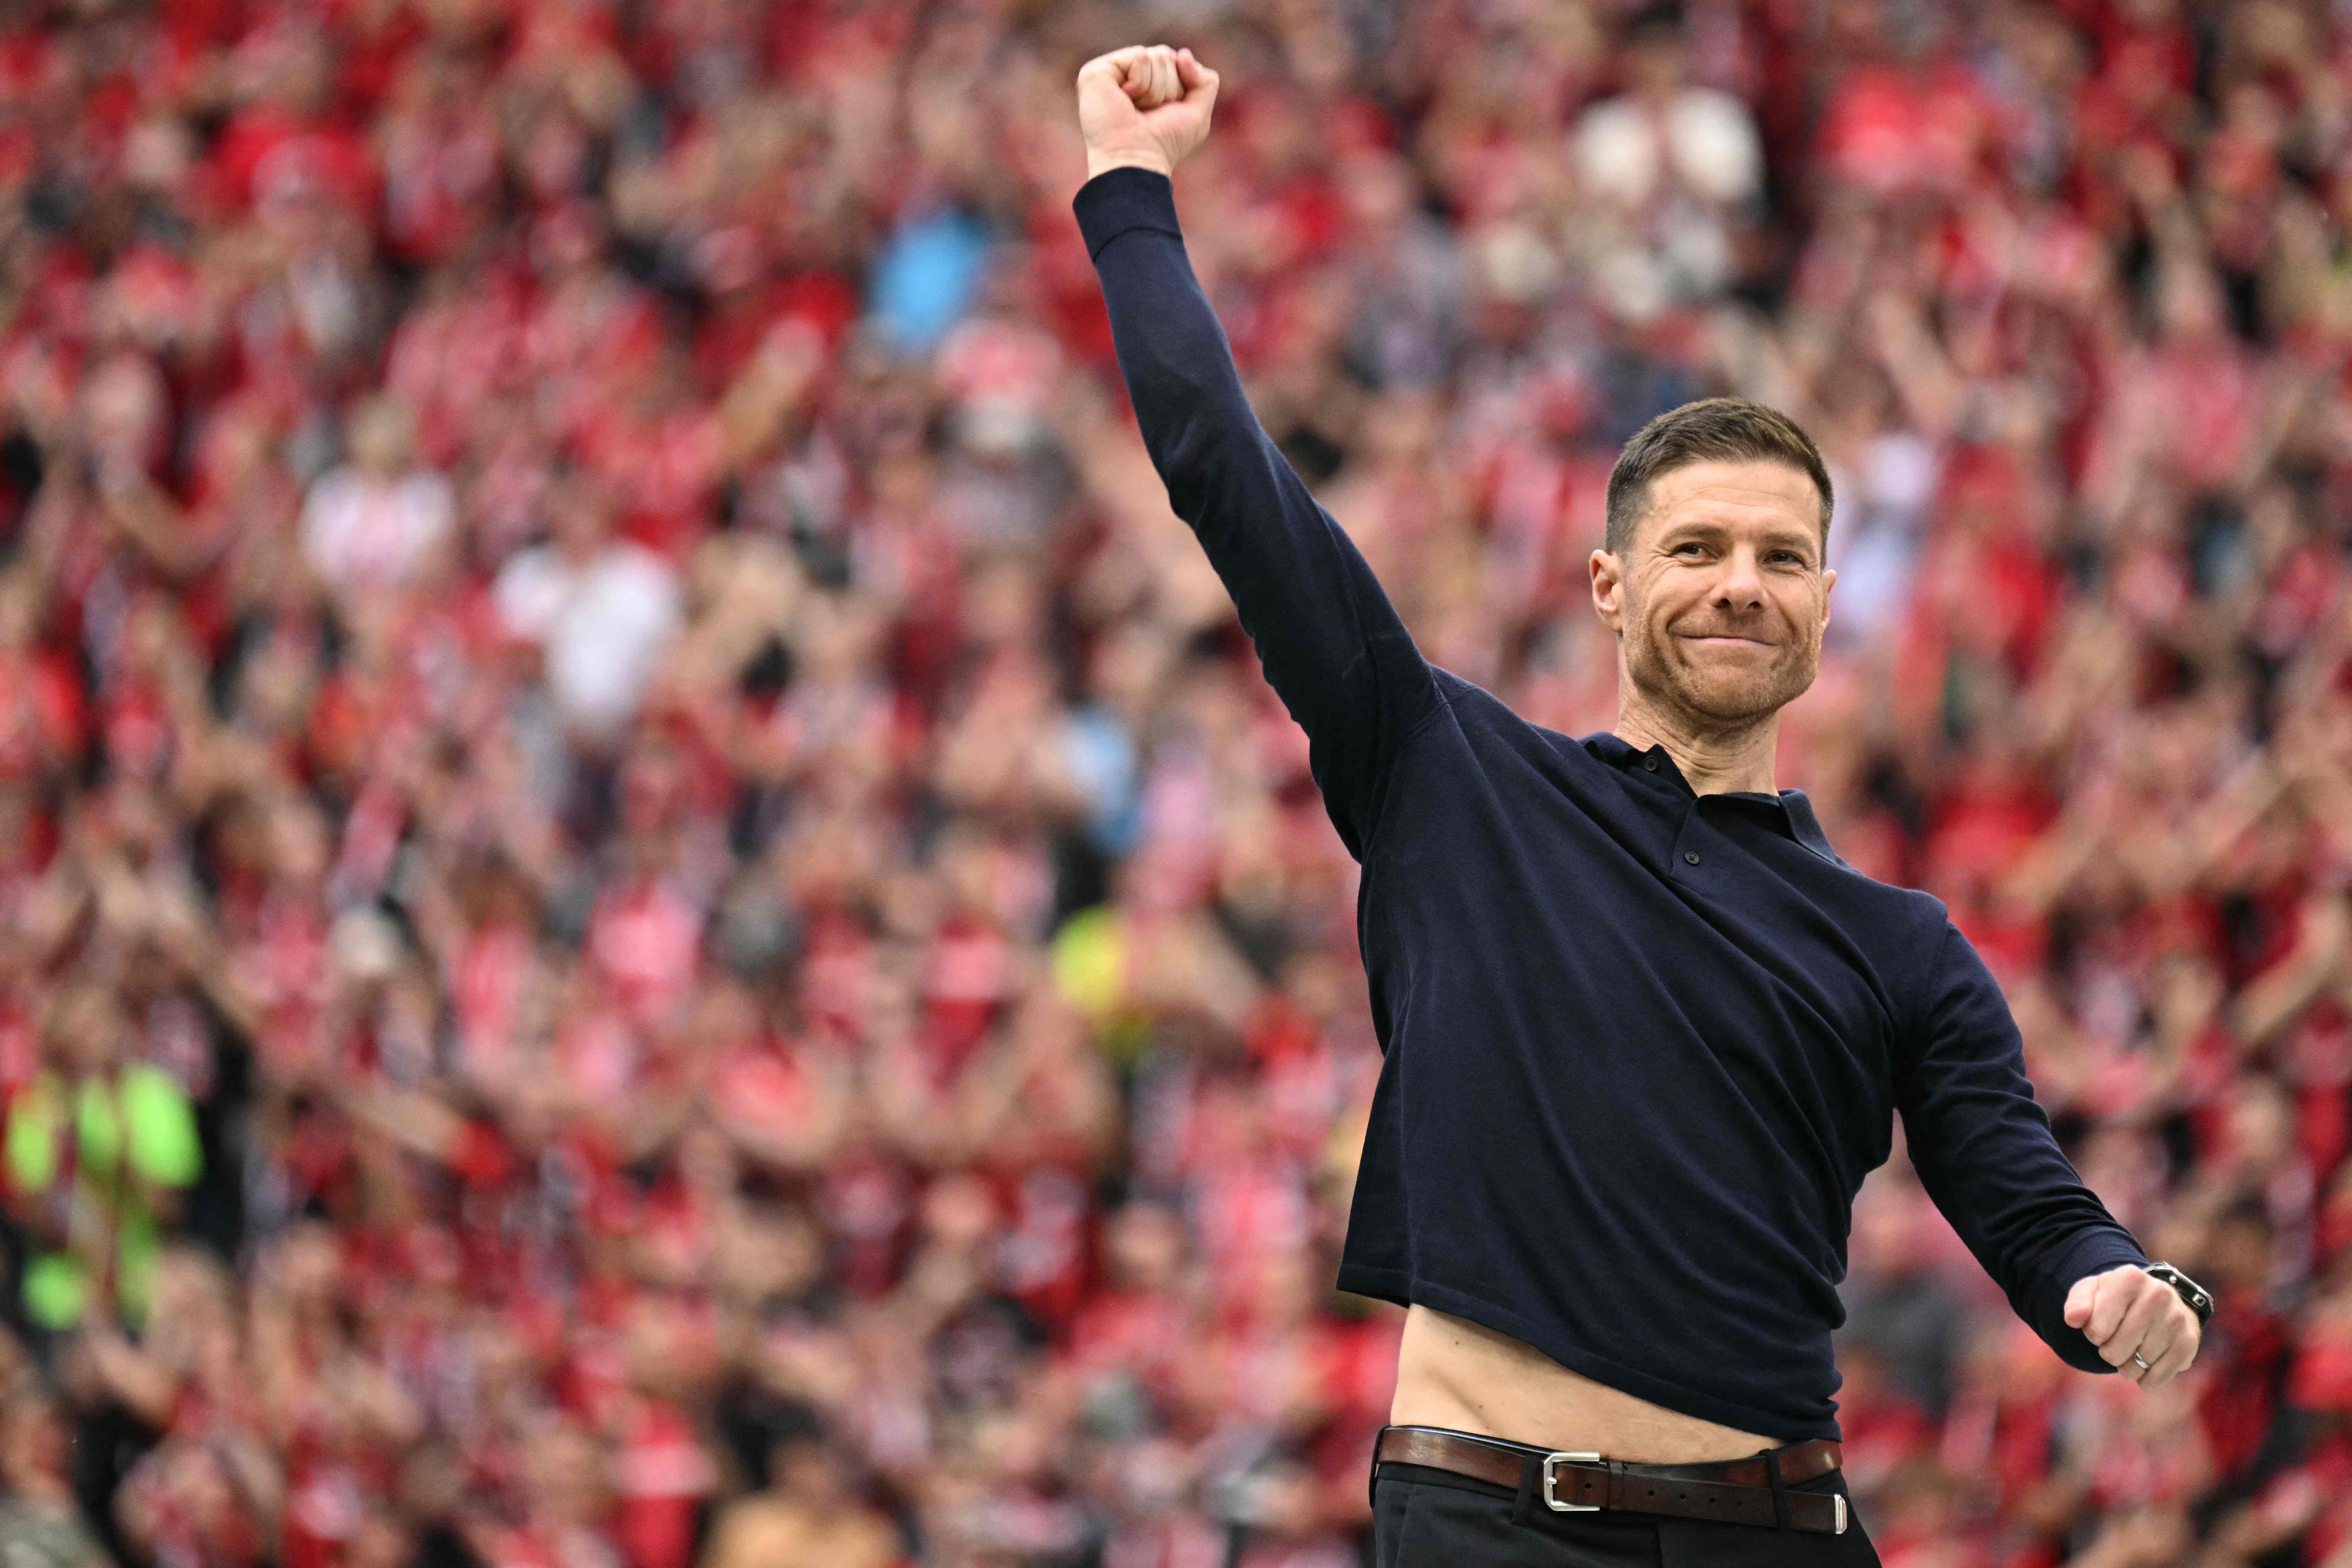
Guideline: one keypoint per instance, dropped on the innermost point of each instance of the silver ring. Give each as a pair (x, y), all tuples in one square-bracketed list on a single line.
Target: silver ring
[(2141, 1365)]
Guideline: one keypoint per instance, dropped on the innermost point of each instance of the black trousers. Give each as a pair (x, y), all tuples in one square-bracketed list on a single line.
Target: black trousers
[(1424, 1518)]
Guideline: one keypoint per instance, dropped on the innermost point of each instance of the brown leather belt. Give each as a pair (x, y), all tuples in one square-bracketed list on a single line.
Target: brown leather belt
[(1737, 1491)]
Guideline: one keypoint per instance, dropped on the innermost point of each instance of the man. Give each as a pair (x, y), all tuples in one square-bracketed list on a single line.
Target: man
[(41, 1522), (1645, 1032), (808, 1515)]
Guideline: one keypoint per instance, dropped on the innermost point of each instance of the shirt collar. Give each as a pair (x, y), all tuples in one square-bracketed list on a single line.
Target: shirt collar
[(1795, 811), (1805, 824)]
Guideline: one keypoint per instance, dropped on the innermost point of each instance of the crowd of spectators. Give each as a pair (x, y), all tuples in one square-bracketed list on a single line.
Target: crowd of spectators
[(651, 912)]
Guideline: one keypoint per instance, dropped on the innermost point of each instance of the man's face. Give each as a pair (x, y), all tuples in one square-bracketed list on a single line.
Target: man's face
[(1720, 598)]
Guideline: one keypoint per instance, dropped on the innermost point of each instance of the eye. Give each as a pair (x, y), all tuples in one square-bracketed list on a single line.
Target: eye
[(1690, 547)]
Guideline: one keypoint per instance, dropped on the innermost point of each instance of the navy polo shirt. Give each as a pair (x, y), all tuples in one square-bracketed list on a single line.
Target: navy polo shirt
[(1641, 1045)]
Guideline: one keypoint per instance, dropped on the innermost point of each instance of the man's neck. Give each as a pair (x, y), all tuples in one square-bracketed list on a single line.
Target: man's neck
[(1713, 761)]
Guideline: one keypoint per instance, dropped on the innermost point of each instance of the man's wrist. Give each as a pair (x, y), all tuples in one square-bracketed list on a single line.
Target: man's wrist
[(1102, 160), (2198, 1299)]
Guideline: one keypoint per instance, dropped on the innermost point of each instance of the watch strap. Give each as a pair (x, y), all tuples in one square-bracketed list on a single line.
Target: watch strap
[(2199, 1299)]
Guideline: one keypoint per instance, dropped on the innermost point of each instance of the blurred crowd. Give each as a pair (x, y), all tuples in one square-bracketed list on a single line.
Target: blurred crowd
[(652, 913)]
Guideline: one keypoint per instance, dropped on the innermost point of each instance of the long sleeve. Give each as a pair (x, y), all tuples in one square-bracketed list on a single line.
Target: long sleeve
[(1330, 643), (1985, 1153)]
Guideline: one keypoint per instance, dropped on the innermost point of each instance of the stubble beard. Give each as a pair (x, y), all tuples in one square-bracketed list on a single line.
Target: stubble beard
[(1716, 698)]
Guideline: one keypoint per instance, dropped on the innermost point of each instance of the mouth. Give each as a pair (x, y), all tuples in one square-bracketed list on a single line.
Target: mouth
[(1725, 639)]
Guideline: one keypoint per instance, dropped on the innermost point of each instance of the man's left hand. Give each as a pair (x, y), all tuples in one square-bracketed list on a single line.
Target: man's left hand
[(2126, 1311)]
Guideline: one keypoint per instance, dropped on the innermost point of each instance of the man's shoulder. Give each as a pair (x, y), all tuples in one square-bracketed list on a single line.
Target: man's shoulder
[(1475, 707), (1906, 914), (1918, 915), (1454, 687)]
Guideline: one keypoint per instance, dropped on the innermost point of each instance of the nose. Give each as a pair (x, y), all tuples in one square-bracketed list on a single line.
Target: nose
[(1741, 587)]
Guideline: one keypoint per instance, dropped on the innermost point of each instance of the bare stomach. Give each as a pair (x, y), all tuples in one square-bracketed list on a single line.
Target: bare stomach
[(1452, 1372)]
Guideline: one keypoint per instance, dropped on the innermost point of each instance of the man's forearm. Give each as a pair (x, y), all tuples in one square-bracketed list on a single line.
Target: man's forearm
[(1331, 644), (1984, 1150)]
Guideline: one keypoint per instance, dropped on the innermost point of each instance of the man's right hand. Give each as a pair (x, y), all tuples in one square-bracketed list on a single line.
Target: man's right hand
[(1145, 106)]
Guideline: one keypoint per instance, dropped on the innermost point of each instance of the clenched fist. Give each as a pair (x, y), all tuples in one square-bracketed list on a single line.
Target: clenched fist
[(1146, 106), (2142, 1326)]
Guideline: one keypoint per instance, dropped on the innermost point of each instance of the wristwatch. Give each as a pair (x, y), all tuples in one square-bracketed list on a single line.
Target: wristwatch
[(2199, 1299)]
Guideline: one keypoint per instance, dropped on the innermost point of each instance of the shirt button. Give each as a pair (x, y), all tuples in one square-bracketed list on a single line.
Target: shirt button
[(1691, 856), (1650, 763)]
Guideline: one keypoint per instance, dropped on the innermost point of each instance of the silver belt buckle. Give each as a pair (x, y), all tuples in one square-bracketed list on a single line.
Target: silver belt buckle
[(1551, 1480), (1841, 1512)]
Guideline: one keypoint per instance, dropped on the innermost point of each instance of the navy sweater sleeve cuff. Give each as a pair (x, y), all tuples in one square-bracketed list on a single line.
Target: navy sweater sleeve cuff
[(1117, 200), (2094, 1254)]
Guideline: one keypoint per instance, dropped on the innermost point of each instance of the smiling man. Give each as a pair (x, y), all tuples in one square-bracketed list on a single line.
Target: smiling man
[(1711, 577), (1645, 1032)]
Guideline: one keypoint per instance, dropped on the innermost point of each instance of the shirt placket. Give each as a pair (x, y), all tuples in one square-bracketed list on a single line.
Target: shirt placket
[(1693, 845)]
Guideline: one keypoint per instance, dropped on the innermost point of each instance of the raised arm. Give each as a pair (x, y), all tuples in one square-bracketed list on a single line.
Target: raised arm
[(1329, 641), (1984, 1152)]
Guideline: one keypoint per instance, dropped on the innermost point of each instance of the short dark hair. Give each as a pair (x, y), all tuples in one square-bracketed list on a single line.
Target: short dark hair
[(1718, 429)]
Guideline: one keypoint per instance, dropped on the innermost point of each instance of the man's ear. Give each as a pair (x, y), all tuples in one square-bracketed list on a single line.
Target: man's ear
[(1829, 580), (1608, 590)]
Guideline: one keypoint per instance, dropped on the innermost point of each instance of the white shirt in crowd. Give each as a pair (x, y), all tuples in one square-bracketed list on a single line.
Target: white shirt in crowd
[(604, 626), (1664, 177), (361, 531), (1705, 140)]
